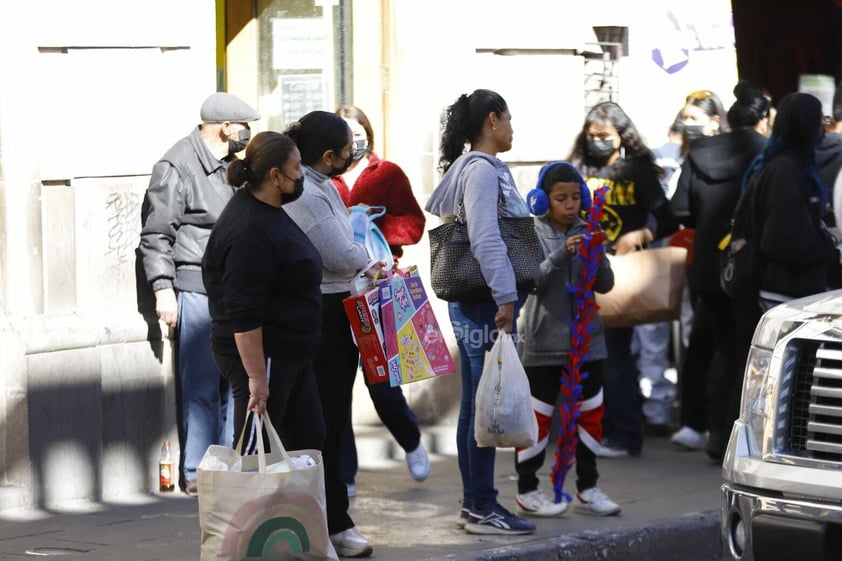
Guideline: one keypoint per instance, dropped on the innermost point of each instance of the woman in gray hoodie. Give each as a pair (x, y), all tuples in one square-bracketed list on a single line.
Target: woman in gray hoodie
[(477, 187)]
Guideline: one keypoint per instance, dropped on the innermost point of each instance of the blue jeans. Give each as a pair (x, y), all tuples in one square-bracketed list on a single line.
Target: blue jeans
[(623, 423), (650, 343), (475, 331), (205, 418)]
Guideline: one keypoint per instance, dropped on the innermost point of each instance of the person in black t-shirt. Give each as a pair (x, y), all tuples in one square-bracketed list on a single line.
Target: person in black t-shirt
[(609, 151), (262, 275)]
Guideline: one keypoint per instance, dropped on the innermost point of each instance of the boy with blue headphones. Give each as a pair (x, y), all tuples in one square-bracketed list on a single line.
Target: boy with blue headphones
[(545, 341)]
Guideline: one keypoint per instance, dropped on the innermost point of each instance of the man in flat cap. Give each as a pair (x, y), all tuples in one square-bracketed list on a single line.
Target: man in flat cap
[(187, 191)]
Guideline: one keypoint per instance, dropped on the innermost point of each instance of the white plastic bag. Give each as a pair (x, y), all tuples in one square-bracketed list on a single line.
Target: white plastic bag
[(503, 415)]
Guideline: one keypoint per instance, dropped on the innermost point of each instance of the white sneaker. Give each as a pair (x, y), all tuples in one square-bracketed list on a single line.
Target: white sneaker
[(689, 438), (594, 501), (351, 543), (536, 503), (418, 463), (611, 452)]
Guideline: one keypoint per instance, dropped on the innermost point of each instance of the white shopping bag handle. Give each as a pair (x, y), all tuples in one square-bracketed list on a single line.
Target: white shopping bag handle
[(258, 422)]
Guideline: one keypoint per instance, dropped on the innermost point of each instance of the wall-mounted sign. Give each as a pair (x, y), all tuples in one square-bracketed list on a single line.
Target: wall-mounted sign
[(299, 43), (300, 94), (819, 86)]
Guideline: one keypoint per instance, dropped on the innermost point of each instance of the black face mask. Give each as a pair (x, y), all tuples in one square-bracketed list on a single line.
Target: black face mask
[(339, 171), (601, 149), (692, 132), (240, 144), (296, 192), (361, 149)]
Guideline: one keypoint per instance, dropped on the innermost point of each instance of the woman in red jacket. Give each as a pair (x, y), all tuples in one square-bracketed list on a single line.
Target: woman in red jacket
[(372, 181), (375, 182)]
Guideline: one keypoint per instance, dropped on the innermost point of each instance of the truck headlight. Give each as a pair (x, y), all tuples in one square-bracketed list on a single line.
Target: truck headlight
[(774, 325), (753, 403), (757, 383)]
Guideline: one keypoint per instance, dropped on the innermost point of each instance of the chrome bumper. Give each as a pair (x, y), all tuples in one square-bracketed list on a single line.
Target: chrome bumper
[(779, 528)]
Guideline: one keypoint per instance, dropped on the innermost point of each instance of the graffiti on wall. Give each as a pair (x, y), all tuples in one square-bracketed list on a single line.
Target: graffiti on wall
[(122, 211)]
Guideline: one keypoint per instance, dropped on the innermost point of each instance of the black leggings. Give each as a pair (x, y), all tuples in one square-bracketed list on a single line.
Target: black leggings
[(336, 367), (293, 404)]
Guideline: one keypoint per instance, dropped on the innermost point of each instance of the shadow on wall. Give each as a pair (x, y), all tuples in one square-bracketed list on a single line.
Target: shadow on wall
[(97, 418), (146, 308)]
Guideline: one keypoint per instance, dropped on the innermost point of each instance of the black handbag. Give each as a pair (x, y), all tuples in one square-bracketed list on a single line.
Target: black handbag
[(455, 274)]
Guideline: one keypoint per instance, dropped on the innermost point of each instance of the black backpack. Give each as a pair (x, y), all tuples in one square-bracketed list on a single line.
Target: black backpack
[(739, 262)]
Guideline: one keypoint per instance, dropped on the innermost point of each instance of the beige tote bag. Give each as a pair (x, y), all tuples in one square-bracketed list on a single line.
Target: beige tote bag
[(267, 510), (648, 285)]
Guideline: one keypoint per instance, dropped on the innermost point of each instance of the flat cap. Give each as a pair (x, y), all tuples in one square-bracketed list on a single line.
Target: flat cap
[(221, 107)]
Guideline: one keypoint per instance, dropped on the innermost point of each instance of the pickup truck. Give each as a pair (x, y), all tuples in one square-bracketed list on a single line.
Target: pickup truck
[(782, 470)]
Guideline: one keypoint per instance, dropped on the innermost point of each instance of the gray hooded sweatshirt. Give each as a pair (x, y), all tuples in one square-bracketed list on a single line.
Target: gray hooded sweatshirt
[(546, 316), (478, 179)]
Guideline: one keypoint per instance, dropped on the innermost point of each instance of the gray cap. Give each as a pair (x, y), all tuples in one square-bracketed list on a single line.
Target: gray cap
[(221, 107)]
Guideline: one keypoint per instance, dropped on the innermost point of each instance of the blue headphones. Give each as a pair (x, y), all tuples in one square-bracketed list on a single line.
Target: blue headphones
[(537, 200)]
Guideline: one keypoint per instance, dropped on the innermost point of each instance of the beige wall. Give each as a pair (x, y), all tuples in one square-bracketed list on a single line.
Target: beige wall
[(430, 57), (93, 92)]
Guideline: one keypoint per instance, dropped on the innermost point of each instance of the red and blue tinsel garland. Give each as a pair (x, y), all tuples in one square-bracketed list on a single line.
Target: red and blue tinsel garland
[(589, 254)]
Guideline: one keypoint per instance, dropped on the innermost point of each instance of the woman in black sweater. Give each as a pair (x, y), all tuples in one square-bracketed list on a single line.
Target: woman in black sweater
[(262, 275)]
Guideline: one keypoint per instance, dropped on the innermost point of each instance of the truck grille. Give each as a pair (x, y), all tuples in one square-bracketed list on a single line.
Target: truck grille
[(815, 421)]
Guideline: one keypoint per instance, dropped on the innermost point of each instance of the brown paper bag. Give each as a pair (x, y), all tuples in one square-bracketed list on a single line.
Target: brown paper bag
[(647, 287)]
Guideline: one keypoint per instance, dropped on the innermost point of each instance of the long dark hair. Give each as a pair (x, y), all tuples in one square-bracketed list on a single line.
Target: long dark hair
[(631, 142), (797, 131), (462, 123), (317, 132), (265, 151)]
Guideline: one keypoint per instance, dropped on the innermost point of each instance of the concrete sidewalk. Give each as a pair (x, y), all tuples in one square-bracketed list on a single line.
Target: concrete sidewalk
[(670, 503)]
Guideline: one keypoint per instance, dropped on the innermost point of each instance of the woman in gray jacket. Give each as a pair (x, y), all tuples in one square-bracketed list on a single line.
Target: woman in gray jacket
[(327, 149), (478, 187), (546, 342)]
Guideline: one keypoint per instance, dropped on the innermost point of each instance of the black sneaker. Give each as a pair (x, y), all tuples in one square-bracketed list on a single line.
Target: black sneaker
[(497, 520)]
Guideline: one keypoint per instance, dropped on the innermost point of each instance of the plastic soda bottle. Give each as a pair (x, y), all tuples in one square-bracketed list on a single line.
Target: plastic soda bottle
[(166, 469)]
